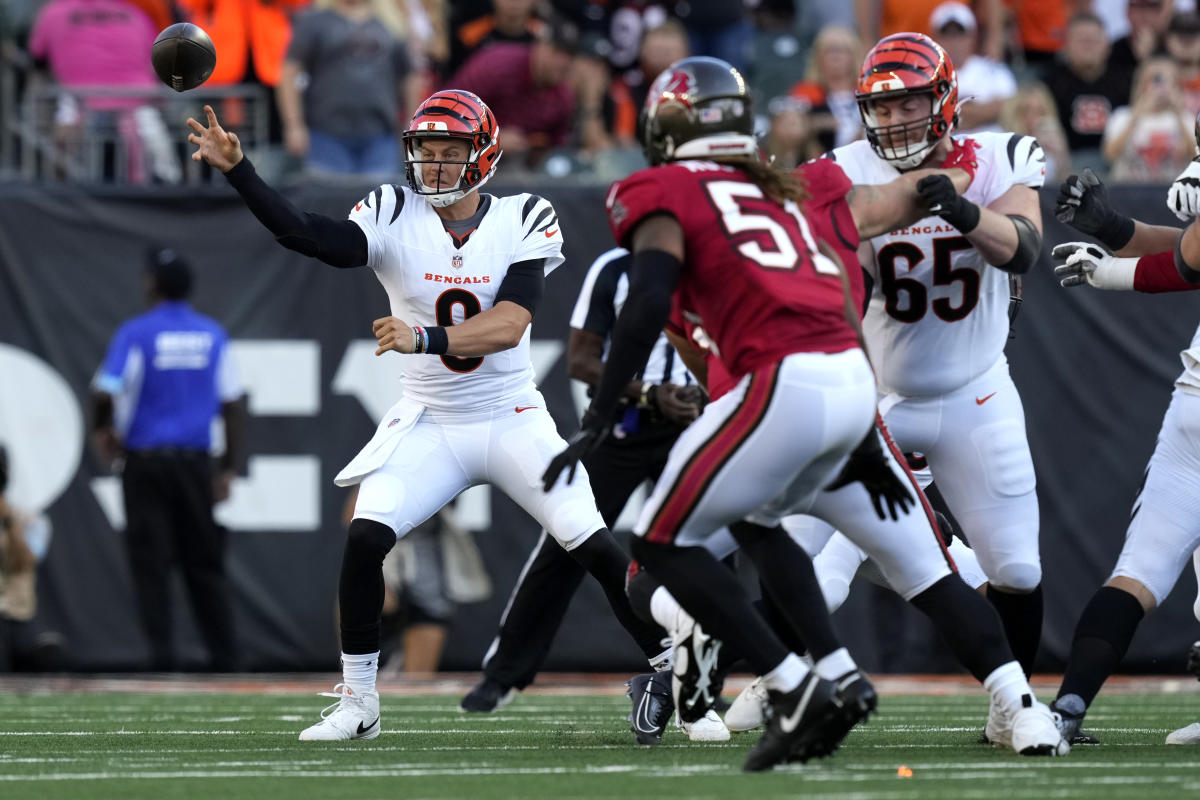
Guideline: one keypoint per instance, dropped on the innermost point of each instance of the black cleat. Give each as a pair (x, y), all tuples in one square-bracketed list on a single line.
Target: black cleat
[(487, 697), (1069, 711), (652, 706), (694, 683), (1193, 659), (797, 723)]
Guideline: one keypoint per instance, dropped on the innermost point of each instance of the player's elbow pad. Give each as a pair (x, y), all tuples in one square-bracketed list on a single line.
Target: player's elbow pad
[(1186, 271), (1029, 246)]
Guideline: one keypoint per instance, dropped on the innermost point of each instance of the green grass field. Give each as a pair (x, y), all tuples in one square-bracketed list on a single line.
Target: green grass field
[(243, 745)]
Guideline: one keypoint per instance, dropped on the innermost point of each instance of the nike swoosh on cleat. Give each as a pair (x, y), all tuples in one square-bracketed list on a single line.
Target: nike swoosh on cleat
[(641, 719), (981, 400), (788, 724), (362, 730)]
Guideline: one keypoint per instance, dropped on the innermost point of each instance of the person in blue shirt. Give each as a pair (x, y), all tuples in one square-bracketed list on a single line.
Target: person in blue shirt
[(167, 375)]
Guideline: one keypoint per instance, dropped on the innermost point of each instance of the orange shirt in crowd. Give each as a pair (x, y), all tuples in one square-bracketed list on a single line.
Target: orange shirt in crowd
[(241, 29), (1041, 24)]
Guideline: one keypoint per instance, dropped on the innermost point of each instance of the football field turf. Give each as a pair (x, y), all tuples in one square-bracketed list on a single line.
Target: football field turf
[(227, 743)]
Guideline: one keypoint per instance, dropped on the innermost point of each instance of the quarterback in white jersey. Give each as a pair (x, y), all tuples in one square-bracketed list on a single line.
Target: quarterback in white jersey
[(1164, 527), (464, 273), (937, 323)]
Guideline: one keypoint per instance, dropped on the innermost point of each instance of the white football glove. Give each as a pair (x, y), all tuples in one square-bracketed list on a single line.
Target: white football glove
[(1183, 198), (1084, 262)]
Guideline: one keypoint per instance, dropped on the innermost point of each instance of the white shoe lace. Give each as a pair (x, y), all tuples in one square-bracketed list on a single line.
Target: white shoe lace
[(343, 693)]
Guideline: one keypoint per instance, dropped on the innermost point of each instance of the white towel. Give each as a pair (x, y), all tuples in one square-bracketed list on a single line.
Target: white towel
[(398, 421)]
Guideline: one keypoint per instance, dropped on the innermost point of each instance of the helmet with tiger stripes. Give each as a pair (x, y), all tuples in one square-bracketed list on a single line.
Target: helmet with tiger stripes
[(452, 114), (901, 65)]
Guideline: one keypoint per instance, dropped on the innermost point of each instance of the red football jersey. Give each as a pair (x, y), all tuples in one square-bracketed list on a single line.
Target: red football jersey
[(752, 275)]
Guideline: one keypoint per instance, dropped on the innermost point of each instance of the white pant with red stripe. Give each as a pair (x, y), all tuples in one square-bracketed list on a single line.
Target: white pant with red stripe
[(765, 447)]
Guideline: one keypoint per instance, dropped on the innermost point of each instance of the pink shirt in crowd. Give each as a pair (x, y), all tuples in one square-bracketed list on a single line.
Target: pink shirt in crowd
[(95, 43)]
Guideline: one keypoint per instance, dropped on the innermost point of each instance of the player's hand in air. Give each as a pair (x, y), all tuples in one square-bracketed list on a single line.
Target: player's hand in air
[(869, 466), (675, 405), (393, 334), (592, 431), (1183, 198), (216, 146), (1084, 205), (1084, 262)]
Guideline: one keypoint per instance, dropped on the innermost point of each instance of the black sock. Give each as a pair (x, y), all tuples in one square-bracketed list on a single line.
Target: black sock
[(967, 623), (1101, 639), (714, 598), (604, 559), (1022, 618), (778, 622), (360, 588), (640, 588), (787, 575)]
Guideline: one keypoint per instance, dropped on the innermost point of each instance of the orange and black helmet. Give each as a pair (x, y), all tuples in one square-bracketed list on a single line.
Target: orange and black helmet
[(453, 114), (906, 64)]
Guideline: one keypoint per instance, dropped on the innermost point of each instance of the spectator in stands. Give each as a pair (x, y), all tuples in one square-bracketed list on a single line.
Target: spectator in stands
[(24, 539), (91, 46), (425, 23), (791, 138), (879, 18), (1147, 22), (986, 83), (1182, 41), (828, 87), (661, 47), (1086, 88), (1152, 140), (528, 88), (718, 28), (166, 375), (510, 22), (1031, 112), (346, 82), (1041, 31), (617, 27)]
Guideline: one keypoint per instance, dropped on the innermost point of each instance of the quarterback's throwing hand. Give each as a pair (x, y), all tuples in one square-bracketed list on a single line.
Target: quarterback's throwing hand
[(592, 431), (393, 334), (214, 145), (1183, 198), (1084, 262)]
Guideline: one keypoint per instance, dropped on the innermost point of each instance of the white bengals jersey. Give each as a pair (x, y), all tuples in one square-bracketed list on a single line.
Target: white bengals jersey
[(432, 281), (938, 315), (1189, 381)]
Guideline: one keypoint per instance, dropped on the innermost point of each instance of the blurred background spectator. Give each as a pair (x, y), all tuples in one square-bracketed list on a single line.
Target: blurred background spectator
[(879, 18), (778, 49), (1146, 20), (613, 29), (984, 84), (828, 86), (508, 22), (718, 28), (1151, 140), (91, 45), (1182, 43), (1031, 112), (346, 84), (791, 136), (1086, 88), (528, 88), (1039, 28), (622, 103)]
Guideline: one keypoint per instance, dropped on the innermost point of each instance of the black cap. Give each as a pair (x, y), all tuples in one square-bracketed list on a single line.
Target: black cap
[(1186, 24), (172, 275)]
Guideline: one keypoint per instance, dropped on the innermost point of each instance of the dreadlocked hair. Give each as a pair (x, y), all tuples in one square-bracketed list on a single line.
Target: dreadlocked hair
[(778, 184)]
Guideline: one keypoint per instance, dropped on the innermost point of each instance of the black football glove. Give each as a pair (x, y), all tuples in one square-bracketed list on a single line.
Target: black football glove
[(940, 197), (592, 431), (869, 466), (1084, 205), (1193, 662)]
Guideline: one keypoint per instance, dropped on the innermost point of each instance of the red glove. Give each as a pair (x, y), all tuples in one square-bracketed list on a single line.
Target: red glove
[(962, 156)]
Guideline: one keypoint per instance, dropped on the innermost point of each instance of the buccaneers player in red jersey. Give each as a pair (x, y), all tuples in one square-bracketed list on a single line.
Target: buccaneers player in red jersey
[(724, 231)]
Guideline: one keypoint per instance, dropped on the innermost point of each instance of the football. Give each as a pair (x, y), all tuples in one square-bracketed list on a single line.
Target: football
[(183, 56)]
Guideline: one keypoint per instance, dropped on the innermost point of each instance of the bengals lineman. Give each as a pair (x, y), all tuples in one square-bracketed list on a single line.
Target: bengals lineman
[(464, 273), (937, 321)]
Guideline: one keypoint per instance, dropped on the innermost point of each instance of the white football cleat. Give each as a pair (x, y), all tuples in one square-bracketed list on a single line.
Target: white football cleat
[(1188, 735), (355, 715), (749, 709), (1034, 732), (708, 728), (998, 730)]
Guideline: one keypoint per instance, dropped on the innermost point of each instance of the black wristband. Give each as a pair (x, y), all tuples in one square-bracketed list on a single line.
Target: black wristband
[(1116, 232), (437, 341), (964, 215)]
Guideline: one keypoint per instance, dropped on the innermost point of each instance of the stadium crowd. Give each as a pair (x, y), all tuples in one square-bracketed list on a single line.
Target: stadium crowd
[(1109, 84)]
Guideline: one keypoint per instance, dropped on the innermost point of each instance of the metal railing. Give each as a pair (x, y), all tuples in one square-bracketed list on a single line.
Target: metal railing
[(114, 135)]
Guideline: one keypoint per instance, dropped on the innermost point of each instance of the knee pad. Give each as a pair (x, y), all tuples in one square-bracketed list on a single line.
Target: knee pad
[(1017, 577), (369, 536)]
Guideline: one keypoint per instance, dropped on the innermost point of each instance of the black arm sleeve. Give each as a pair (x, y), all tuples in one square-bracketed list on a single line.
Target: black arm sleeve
[(339, 243), (523, 284), (652, 281)]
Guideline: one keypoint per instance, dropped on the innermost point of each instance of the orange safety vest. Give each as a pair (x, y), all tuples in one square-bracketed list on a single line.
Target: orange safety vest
[(258, 28)]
